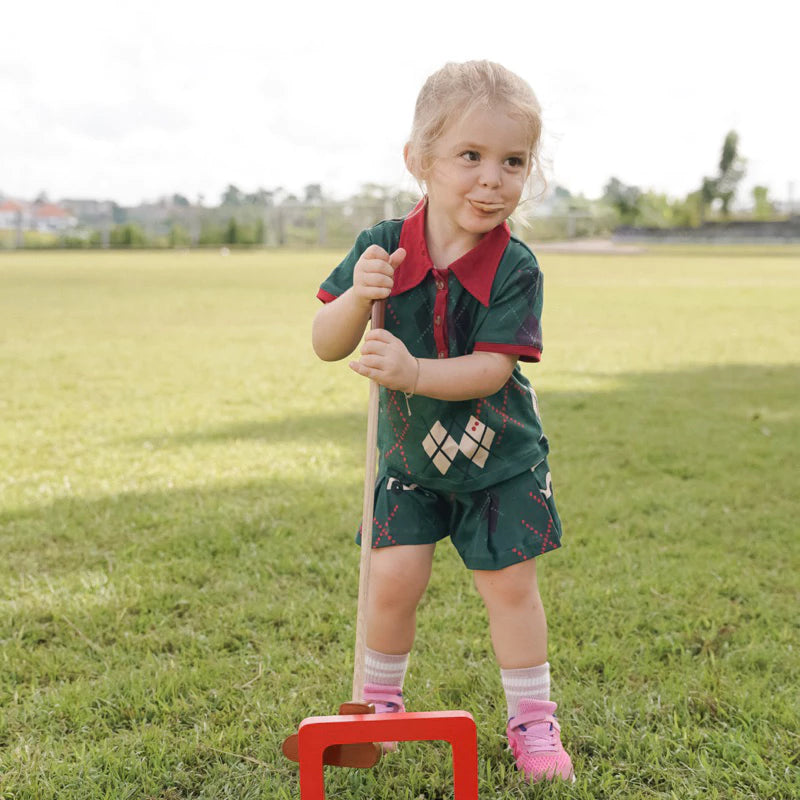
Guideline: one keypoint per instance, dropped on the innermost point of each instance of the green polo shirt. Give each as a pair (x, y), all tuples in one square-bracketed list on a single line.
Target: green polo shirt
[(490, 299)]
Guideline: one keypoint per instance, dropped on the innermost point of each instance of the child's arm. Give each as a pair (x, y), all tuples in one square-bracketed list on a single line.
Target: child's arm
[(385, 359), (339, 325)]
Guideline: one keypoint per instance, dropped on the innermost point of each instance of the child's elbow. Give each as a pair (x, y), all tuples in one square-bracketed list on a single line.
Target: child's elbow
[(502, 366), (321, 341), (329, 347), (323, 350)]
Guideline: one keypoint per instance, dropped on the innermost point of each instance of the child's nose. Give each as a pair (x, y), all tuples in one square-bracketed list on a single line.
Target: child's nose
[(491, 174)]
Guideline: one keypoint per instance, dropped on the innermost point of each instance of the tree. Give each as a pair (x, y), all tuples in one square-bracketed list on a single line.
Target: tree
[(655, 210), (707, 195), (261, 197), (731, 171), (232, 196), (623, 198), (128, 235), (179, 236), (313, 194), (689, 212), (118, 214), (562, 193), (762, 205), (232, 232), (373, 191)]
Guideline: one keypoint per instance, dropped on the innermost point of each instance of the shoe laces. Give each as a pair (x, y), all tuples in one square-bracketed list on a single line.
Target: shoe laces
[(540, 735)]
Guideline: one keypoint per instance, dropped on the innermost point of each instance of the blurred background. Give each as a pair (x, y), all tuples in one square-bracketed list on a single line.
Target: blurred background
[(178, 124)]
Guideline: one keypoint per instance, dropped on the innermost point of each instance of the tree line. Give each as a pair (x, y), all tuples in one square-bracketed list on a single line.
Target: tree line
[(275, 217), (713, 198)]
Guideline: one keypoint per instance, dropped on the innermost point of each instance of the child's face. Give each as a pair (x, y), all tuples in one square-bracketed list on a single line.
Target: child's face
[(480, 165)]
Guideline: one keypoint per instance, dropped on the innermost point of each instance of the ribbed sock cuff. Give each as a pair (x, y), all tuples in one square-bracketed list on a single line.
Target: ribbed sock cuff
[(532, 683), (385, 669)]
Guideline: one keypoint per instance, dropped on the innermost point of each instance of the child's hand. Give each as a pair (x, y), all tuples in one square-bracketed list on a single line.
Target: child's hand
[(385, 359), (372, 275)]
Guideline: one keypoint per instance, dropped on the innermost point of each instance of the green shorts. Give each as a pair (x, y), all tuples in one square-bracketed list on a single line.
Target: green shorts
[(491, 528)]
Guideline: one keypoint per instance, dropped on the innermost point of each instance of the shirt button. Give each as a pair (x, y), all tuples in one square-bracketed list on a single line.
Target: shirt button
[(438, 320), (440, 285), (442, 354)]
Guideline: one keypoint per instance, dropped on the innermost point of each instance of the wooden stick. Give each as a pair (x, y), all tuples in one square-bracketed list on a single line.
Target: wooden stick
[(366, 525)]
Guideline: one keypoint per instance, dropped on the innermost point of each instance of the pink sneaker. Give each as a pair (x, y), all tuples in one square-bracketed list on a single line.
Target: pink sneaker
[(534, 736), (386, 699)]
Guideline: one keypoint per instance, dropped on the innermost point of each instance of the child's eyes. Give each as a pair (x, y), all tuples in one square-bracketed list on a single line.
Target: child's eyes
[(473, 156)]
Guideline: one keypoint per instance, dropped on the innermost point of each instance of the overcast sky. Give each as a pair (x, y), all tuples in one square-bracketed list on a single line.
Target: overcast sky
[(134, 101)]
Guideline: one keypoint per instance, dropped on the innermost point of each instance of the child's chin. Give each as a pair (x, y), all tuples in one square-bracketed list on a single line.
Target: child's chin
[(483, 223)]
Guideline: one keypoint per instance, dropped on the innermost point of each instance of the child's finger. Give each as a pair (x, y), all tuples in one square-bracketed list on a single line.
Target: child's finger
[(377, 266), (379, 335), (379, 277), (371, 360), (375, 251), (358, 368), (364, 369)]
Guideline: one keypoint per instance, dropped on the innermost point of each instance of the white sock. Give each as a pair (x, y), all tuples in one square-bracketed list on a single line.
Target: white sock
[(531, 683), (385, 669)]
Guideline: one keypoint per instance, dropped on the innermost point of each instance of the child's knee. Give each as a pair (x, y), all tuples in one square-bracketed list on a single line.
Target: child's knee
[(512, 587), (399, 575)]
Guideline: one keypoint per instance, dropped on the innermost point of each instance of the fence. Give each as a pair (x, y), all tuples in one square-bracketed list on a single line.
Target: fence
[(289, 224)]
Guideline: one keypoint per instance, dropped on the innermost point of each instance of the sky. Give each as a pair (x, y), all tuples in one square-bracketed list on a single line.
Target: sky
[(132, 102)]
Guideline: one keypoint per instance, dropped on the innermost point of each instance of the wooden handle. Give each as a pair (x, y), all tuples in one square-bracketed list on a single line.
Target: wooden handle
[(359, 670)]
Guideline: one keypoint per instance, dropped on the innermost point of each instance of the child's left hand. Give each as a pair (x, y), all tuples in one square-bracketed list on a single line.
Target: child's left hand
[(386, 360)]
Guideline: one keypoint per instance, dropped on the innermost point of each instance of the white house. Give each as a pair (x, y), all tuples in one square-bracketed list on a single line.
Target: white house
[(42, 217), (50, 218), (10, 214)]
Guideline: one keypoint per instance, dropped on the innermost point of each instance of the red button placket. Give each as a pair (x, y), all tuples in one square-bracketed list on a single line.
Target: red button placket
[(440, 313)]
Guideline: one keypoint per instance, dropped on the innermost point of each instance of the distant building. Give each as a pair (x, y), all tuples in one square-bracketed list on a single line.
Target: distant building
[(12, 215), (90, 212), (41, 217), (51, 218)]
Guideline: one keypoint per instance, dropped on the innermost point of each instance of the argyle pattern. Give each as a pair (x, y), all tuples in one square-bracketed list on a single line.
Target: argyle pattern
[(442, 448)]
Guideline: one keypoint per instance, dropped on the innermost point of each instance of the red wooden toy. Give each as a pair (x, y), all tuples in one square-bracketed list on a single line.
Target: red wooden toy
[(456, 727)]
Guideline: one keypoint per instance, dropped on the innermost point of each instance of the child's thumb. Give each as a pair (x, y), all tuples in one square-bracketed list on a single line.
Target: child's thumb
[(396, 258)]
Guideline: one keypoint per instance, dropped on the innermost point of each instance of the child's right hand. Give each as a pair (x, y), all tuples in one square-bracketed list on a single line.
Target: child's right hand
[(373, 273)]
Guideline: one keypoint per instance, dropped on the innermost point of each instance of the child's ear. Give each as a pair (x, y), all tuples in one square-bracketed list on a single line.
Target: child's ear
[(412, 162)]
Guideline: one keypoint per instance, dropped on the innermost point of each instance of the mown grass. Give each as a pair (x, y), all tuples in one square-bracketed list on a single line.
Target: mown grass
[(180, 481)]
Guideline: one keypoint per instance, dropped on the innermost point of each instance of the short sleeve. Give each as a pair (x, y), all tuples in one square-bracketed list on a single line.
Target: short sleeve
[(341, 279), (513, 321)]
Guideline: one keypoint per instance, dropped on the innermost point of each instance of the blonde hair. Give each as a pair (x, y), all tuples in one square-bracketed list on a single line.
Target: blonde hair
[(458, 89)]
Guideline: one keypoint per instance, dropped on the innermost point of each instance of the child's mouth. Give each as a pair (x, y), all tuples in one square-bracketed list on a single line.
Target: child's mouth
[(486, 208)]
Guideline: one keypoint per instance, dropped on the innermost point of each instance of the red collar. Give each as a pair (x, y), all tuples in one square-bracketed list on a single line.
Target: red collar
[(475, 270)]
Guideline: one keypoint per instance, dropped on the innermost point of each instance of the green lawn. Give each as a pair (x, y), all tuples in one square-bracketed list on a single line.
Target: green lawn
[(180, 480)]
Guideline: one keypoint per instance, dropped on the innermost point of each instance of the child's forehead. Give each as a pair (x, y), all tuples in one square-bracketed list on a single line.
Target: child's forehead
[(481, 125)]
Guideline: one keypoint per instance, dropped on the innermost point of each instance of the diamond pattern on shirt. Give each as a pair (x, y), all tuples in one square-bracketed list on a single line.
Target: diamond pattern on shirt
[(476, 441), (442, 448)]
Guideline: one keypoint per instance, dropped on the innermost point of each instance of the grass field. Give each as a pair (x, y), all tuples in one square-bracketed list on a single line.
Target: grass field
[(180, 480)]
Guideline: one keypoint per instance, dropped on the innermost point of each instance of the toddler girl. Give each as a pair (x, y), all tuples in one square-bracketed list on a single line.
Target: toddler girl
[(461, 448)]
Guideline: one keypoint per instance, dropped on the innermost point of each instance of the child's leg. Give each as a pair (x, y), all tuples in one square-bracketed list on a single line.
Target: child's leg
[(397, 580), (519, 635), (516, 616)]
